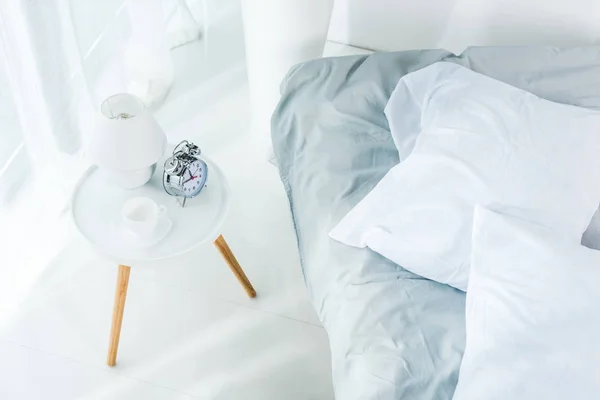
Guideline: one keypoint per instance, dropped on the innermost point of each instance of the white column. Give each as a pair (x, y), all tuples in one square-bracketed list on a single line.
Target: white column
[(279, 34)]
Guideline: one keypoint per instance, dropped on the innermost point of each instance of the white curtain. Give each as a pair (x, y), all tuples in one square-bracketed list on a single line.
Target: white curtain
[(58, 60), (46, 81)]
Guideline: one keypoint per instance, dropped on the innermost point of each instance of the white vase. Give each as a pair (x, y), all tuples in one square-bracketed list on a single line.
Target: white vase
[(279, 34)]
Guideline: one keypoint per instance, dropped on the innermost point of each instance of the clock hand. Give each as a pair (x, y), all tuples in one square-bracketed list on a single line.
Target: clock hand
[(191, 179)]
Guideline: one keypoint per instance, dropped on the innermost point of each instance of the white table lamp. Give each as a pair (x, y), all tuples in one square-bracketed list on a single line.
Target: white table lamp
[(127, 141)]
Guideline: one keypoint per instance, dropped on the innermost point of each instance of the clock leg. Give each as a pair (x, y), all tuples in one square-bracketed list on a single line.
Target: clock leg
[(118, 310), (225, 251)]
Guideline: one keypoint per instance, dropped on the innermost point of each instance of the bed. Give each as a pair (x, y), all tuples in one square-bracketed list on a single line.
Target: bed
[(393, 334)]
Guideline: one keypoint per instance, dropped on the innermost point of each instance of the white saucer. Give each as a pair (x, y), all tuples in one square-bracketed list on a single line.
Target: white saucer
[(130, 239)]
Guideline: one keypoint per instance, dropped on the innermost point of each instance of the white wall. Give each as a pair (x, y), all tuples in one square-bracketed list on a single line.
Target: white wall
[(456, 24)]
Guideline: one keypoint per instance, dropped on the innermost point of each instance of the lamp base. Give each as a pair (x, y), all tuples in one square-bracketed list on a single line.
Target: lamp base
[(131, 179)]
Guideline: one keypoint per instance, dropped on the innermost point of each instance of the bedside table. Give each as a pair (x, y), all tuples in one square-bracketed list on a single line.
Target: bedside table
[(96, 210)]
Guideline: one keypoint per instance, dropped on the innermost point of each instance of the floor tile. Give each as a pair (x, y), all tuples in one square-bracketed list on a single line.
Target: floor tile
[(27, 374)]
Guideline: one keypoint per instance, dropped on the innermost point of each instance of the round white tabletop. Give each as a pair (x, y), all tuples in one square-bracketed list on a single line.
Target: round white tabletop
[(96, 206)]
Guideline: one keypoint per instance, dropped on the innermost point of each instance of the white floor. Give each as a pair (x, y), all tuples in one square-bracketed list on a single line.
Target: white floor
[(189, 330)]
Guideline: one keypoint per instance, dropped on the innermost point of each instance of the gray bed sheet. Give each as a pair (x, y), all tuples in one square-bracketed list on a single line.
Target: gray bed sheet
[(393, 335)]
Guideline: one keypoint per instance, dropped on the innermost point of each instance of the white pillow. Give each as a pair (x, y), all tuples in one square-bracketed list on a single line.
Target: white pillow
[(481, 142), (532, 314), (404, 118)]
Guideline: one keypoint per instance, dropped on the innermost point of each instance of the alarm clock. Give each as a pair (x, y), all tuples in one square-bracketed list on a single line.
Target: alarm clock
[(185, 174)]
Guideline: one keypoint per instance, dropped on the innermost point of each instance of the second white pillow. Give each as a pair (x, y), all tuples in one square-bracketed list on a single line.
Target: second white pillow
[(481, 142), (531, 314)]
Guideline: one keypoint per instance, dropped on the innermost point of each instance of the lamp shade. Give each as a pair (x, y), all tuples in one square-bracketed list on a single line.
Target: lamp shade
[(126, 135)]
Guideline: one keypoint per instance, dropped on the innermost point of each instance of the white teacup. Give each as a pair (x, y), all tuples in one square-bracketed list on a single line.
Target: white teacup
[(141, 215)]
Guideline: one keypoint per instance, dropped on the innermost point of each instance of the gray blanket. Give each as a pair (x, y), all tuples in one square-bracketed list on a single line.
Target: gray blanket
[(393, 335)]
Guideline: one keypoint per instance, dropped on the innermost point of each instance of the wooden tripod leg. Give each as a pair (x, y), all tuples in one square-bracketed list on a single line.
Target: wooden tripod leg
[(225, 251), (117, 319)]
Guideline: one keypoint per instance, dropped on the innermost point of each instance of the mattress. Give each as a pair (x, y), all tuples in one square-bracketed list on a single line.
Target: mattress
[(393, 335)]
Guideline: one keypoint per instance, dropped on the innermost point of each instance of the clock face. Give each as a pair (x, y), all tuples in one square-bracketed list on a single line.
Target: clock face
[(194, 178)]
